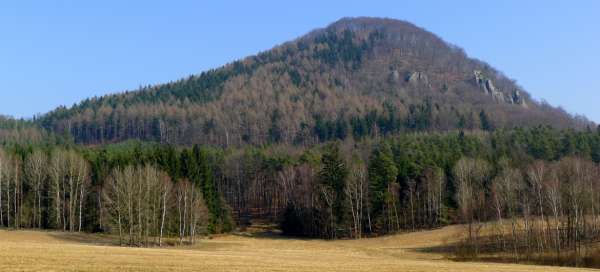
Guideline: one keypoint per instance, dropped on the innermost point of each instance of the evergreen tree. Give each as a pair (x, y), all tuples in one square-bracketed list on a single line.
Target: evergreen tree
[(218, 218), (332, 176), (486, 124), (382, 174)]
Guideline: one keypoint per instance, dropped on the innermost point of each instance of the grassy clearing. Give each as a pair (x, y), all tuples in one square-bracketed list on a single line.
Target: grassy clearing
[(52, 251)]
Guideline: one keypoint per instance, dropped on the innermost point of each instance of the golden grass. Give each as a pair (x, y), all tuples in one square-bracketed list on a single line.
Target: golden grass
[(53, 251)]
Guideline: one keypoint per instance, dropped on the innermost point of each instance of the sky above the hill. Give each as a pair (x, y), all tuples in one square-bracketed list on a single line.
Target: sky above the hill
[(59, 52)]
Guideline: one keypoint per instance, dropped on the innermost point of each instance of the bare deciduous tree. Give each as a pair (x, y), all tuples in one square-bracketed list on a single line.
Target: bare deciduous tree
[(470, 176), (35, 169)]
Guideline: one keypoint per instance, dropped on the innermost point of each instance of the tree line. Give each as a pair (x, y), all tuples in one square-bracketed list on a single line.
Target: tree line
[(543, 212), (74, 189), (147, 191)]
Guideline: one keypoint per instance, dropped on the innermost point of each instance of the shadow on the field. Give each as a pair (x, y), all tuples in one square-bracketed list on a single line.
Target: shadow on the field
[(86, 238), (266, 231), (488, 250), (99, 239), (442, 249)]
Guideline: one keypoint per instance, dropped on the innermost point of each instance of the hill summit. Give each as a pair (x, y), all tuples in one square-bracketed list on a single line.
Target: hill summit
[(358, 77)]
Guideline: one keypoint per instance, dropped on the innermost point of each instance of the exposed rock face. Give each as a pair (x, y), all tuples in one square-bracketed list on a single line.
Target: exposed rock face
[(417, 78), (487, 86), (518, 99)]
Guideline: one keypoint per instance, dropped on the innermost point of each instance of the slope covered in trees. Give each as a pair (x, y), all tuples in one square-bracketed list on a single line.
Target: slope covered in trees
[(358, 77), (12, 130)]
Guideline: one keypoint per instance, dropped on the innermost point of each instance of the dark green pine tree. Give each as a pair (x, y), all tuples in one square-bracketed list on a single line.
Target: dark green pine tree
[(218, 220), (189, 166), (169, 161), (382, 173), (332, 177), (486, 124)]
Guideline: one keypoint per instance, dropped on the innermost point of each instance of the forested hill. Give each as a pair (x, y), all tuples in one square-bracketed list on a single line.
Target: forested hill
[(358, 77)]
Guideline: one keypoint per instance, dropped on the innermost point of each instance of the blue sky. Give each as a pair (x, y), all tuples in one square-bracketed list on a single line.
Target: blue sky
[(59, 52)]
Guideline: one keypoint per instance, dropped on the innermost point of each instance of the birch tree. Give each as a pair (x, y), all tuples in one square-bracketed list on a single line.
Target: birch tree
[(470, 175), (35, 169)]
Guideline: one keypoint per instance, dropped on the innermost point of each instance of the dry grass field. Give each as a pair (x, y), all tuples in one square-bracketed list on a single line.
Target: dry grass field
[(53, 251)]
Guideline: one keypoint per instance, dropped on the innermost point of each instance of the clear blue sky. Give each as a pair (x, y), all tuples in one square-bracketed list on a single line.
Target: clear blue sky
[(59, 52)]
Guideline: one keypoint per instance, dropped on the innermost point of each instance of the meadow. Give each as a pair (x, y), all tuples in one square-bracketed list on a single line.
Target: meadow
[(243, 251)]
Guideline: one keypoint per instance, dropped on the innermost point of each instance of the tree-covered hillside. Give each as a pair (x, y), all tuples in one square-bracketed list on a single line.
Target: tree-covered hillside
[(359, 77), (21, 130)]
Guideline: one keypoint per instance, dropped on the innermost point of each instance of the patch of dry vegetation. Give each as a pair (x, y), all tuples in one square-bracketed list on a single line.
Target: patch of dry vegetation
[(52, 251)]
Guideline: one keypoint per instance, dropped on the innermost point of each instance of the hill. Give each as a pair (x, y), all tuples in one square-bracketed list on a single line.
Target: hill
[(358, 77)]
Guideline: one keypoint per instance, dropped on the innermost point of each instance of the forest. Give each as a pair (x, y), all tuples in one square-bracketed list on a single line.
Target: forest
[(537, 183)]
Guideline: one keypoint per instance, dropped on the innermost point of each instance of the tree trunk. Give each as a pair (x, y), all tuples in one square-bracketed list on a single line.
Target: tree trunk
[(80, 207), (8, 203), (162, 221), (120, 226), (39, 196)]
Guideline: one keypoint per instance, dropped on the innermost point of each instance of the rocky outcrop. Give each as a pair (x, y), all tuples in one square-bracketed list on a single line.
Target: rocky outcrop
[(417, 78), (517, 99), (487, 86)]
